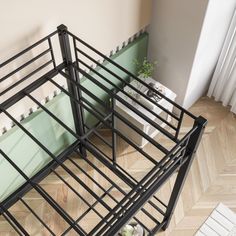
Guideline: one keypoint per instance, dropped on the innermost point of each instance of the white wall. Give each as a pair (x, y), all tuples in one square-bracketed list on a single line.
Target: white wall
[(174, 33), (105, 24), (218, 16)]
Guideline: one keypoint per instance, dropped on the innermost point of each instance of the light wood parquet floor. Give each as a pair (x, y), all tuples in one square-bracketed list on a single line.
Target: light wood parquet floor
[(212, 179)]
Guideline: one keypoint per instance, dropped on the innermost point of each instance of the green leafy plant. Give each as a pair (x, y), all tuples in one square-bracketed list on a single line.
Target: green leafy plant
[(145, 68), (132, 230)]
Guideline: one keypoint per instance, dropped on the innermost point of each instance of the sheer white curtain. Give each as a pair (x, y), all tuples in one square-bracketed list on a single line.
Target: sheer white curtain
[(223, 84)]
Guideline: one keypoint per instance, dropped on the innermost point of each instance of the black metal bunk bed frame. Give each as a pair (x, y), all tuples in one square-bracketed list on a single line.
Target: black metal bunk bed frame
[(140, 192)]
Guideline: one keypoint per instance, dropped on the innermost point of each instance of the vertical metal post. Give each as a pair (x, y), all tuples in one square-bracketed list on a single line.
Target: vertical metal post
[(191, 149), (114, 137), (73, 90), (179, 124), (77, 77)]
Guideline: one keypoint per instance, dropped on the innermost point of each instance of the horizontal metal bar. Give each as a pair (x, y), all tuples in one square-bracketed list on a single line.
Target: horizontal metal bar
[(91, 105), (123, 192), (63, 124), (108, 125), (156, 207), (108, 179), (149, 192), (87, 134), (12, 221), (45, 195), (38, 218), (12, 224), (24, 65), (129, 85), (179, 154), (92, 207), (137, 201), (27, 49), (130, 74), (122, 136), (131, 97), (29, 134), (45, 171), (53, 116), (157, 228), (102, 173), (149, 184), (101, 158), (86, 212), (141, 186), (150, 202), (162, 203), (25, 78), (126, 121), (88, 176), (93, 180), (85, 90), (132, 108), (79, 195), (61, 211), (54, 158), (101, 152), (30, 88), (96, 133)]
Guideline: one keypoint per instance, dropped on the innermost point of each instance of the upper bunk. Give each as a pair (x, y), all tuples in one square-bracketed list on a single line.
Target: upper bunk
[(64, 83)]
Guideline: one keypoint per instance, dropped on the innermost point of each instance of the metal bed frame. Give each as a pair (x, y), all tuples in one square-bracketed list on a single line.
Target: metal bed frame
[(138, 193)]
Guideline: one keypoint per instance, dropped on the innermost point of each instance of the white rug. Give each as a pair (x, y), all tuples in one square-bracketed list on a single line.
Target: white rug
[(221, 222)]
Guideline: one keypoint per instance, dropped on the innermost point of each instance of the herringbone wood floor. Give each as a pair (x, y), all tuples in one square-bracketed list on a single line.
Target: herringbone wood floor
[(212, 179)]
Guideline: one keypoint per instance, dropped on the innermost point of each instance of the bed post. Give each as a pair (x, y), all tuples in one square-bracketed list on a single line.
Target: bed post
[(73, 90), (191, 149), (114, 137)]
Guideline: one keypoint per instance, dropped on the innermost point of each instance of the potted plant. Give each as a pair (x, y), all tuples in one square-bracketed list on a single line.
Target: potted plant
[(145, 70), (132, 229)]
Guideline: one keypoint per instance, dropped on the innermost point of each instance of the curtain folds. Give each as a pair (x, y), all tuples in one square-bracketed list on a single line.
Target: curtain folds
[(223, 84)]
